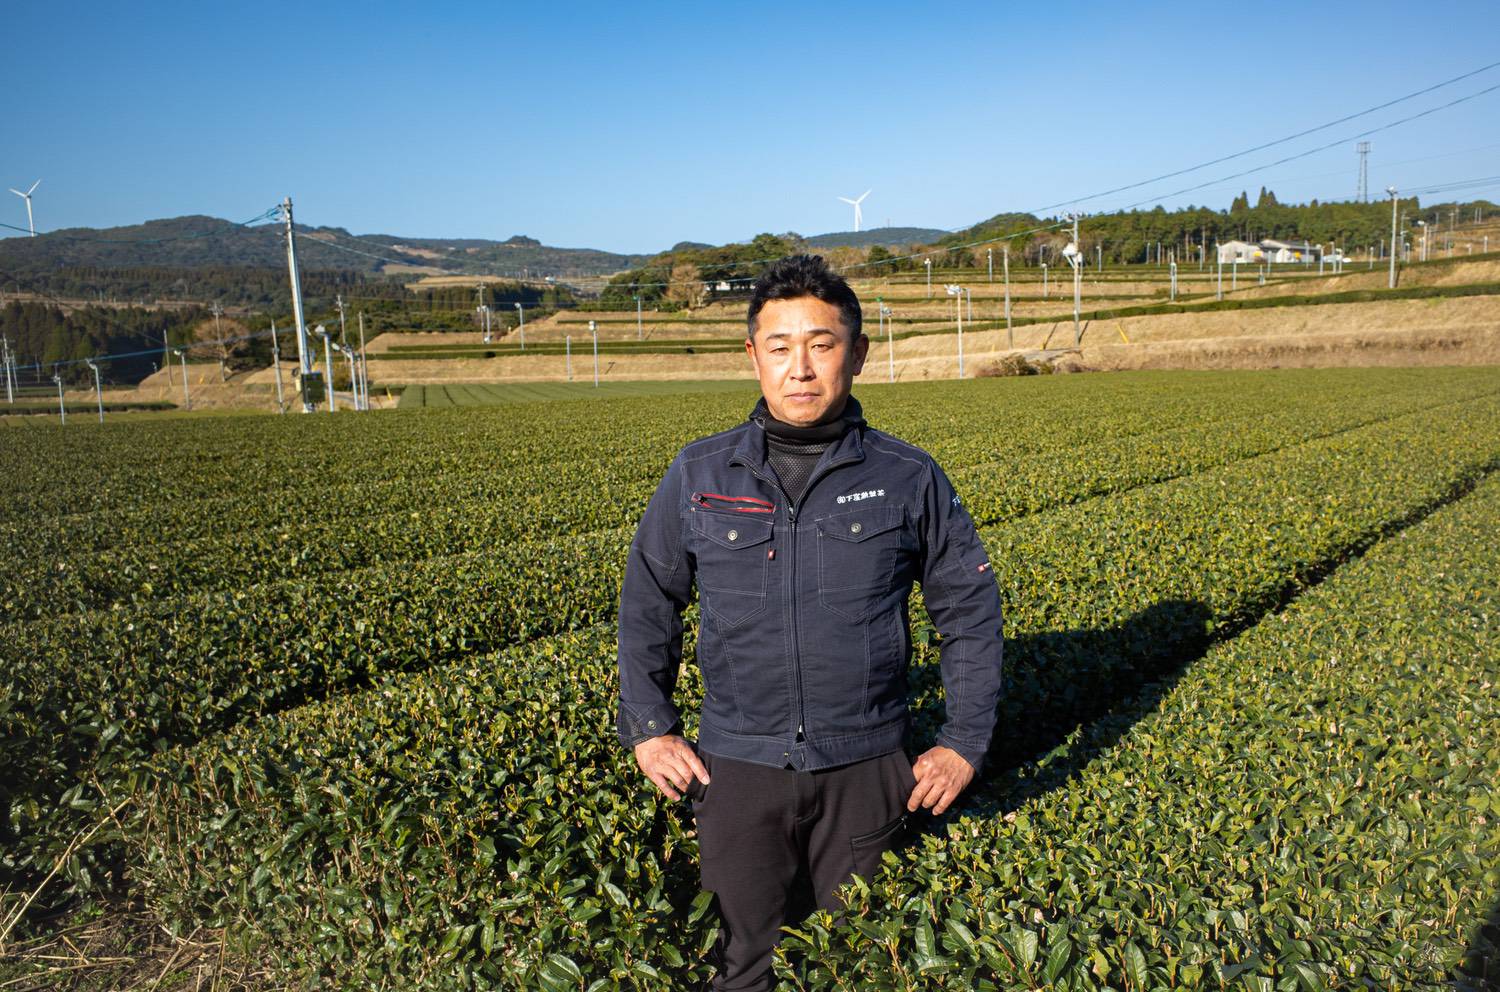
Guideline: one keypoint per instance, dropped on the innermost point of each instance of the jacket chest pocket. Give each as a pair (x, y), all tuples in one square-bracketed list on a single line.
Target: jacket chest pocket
[(733, 558), (857, 555)]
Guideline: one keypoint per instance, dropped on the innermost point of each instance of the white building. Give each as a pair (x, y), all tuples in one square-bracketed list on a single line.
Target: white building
[(1240, 251), (1279, 252), (1282, 252)]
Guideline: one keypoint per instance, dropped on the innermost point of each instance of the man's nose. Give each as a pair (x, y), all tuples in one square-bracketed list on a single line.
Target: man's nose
[(802, 366)]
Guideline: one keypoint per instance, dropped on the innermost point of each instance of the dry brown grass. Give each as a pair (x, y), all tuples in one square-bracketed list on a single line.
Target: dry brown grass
[(1426, 331), (122, 947), (248, 391)]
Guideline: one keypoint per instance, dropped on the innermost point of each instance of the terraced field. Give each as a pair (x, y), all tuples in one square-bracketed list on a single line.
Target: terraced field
[(344, 686)]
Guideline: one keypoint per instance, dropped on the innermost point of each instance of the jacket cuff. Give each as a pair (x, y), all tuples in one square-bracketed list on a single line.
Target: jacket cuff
[(636, 724), (970, 751)]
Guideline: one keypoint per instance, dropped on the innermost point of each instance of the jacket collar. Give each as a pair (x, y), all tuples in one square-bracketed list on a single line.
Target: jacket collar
[(751, 451)]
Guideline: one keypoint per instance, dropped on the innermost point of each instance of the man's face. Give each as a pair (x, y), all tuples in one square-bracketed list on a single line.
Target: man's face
[(804, 359)]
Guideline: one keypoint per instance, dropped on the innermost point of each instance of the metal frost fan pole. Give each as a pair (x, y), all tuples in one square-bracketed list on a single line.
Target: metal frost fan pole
[(98, 392), (187, 403)]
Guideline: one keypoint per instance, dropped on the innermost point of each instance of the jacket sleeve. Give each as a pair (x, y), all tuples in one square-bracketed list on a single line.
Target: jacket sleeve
[(963, 600), (657, 586)]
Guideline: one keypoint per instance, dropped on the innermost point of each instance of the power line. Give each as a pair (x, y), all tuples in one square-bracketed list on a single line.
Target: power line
[(1312, 151), (1462, 184), (1272, 144)]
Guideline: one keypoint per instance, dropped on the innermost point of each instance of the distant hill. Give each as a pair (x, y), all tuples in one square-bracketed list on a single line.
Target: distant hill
[(887, 236), (197, 241)]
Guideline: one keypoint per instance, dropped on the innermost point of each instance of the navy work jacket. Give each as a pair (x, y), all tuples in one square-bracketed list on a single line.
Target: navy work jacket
[(804, 638)]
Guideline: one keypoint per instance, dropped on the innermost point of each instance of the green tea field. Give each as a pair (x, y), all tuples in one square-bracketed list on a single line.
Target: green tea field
[(339, 690)]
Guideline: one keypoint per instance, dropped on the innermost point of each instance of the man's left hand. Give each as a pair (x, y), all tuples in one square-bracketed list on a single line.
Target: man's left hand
[(941, 775)]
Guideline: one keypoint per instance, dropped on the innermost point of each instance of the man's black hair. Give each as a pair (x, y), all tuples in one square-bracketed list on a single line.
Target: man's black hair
[(806, 275)]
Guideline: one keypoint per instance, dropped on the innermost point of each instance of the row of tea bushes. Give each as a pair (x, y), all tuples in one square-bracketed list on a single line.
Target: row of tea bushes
[(1004, 491), (363, 838), (119, 682), (1311, 806), (92, 695), (94, 691), (584, 495), (185, 480), (564, 501)]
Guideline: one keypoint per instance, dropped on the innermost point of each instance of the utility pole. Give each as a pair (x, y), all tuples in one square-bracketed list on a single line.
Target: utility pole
[(1075, 259), (276, 364), (1391, 282), (1363, 196), (1010, 331), (482, 310), (304, 365), (338, 304), (98, 391)]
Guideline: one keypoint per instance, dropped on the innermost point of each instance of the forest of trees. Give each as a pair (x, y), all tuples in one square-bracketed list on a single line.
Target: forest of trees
[(47, 338), (676, 278), (1125, 235)]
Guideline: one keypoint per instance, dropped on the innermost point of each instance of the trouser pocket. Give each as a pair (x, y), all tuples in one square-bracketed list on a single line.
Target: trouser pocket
[(897, 782), (870, 847)]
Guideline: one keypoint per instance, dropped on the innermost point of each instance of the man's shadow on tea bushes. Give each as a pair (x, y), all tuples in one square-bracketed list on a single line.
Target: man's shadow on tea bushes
[(1102, 679), (1099, 680)]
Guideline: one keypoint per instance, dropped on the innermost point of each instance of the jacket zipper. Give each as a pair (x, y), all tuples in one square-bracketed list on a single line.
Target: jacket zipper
[(791, 512)]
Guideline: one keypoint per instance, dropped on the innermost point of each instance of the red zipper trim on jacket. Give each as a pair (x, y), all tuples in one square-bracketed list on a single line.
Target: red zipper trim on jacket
[(761, 506)]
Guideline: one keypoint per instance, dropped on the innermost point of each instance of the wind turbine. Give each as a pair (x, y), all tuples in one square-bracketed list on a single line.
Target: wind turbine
[(855, 203), (32, 224)]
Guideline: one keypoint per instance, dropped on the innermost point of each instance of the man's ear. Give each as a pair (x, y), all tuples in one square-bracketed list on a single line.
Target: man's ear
[(861, 349)]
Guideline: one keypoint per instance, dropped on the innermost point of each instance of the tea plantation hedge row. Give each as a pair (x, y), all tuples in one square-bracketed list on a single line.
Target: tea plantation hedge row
[(96, 689), (70, 491), (476, 824), (1218, 495), (1311, 806), (532, 501)]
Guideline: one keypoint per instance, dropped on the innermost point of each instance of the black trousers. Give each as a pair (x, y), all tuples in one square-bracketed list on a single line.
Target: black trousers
[(762, 829)]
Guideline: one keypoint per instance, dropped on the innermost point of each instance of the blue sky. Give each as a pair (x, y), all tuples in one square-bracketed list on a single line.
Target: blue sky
[(632, 127)]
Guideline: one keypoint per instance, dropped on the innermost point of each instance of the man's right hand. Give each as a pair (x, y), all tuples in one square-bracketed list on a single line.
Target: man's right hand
[(670, 763)]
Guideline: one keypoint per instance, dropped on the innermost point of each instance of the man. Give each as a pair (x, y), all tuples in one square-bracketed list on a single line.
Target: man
[(804, 530)]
